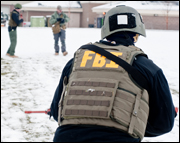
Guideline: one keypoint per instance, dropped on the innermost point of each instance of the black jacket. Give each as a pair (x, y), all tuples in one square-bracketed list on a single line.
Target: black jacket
[(15, 17), (161, 115)]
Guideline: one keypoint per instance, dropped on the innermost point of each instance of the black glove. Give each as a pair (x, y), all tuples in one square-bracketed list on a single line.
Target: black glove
[(48, 111), (61, 20)]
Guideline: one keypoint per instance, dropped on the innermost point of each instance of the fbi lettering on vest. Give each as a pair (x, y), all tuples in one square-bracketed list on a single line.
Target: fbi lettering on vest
[(98, 60)]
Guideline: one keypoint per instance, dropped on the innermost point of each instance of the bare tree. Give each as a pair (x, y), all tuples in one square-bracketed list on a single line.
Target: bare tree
[(69, 4), (168, 6)]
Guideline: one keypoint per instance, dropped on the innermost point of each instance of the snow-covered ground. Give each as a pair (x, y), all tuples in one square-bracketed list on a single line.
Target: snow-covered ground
[(29, 82)]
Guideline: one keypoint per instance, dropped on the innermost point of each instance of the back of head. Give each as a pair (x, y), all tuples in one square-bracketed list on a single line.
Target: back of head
[(122, 18), (18, 6), (59, 7)]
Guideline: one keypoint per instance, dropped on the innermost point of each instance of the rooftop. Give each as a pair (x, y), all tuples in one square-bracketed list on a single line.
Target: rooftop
[(145, 5), (54, 4)]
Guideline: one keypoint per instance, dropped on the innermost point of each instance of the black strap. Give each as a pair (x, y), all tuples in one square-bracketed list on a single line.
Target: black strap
[(139, 78)]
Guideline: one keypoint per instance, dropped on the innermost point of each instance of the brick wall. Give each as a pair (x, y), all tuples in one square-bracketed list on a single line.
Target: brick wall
[(87, 13), (74, 17), (159, 22)]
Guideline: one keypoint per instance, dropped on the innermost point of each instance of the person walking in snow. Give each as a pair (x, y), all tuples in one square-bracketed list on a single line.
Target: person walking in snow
[(110, 91), (58, 20), (15, 20)]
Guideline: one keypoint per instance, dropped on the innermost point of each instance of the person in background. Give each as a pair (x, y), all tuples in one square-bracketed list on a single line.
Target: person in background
[(58, 21), (110, 91), (15, 20)]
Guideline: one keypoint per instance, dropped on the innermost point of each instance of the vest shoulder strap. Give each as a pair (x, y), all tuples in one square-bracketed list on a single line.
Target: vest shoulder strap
[(139, 78)]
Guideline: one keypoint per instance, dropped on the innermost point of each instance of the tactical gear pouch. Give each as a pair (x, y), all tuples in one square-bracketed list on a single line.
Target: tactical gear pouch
[(91, 98), (131, 110), (56, 28)]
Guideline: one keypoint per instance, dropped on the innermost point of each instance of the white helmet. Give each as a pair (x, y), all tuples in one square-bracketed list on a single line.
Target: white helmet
[(122, 18)]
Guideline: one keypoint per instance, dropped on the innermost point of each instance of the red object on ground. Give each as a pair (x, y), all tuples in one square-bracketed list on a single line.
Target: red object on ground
[(176, 109), (29, 112)]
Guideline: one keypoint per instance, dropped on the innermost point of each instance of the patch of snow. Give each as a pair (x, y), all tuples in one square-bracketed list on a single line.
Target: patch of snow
[(28, 83)]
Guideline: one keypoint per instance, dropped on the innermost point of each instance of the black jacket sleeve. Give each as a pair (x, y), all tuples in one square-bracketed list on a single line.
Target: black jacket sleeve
[(162, 110), (57, 95)]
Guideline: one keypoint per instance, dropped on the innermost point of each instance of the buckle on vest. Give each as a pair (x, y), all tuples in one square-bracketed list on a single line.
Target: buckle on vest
[(135, 113)]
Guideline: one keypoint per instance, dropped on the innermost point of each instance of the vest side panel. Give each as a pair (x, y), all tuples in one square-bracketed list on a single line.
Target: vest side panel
[(12, 23)]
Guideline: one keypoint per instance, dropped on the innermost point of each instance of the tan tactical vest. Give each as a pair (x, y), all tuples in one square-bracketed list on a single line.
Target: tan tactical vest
[(100, 92), (56, 28), (12, 23)]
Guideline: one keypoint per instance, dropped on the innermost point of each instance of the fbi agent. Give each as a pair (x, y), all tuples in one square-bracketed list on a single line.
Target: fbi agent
[(15, 20), (110, 91)]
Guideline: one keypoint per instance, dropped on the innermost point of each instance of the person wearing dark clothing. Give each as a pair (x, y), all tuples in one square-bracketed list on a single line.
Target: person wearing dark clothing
[(162, 111), (15, 20)]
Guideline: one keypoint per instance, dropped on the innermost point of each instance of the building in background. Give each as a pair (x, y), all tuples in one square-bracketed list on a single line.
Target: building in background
[(8, 6), (88, 17), (80, 12), (156, 14), (47, 8)]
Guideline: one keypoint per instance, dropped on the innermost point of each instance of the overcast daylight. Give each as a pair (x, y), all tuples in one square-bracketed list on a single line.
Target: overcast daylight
[(32, 65)]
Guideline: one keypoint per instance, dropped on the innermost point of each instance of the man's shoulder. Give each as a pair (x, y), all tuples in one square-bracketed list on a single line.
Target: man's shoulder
[(145, 64), (15, 12)]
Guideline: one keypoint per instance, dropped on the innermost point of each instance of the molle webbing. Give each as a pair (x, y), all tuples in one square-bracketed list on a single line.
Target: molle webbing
[(94, 84), (86, 113), (100, 92), (88, 102), (96, 97), (94, 93)]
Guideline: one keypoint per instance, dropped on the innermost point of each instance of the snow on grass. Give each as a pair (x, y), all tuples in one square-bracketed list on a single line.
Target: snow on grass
[(29, 82)]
